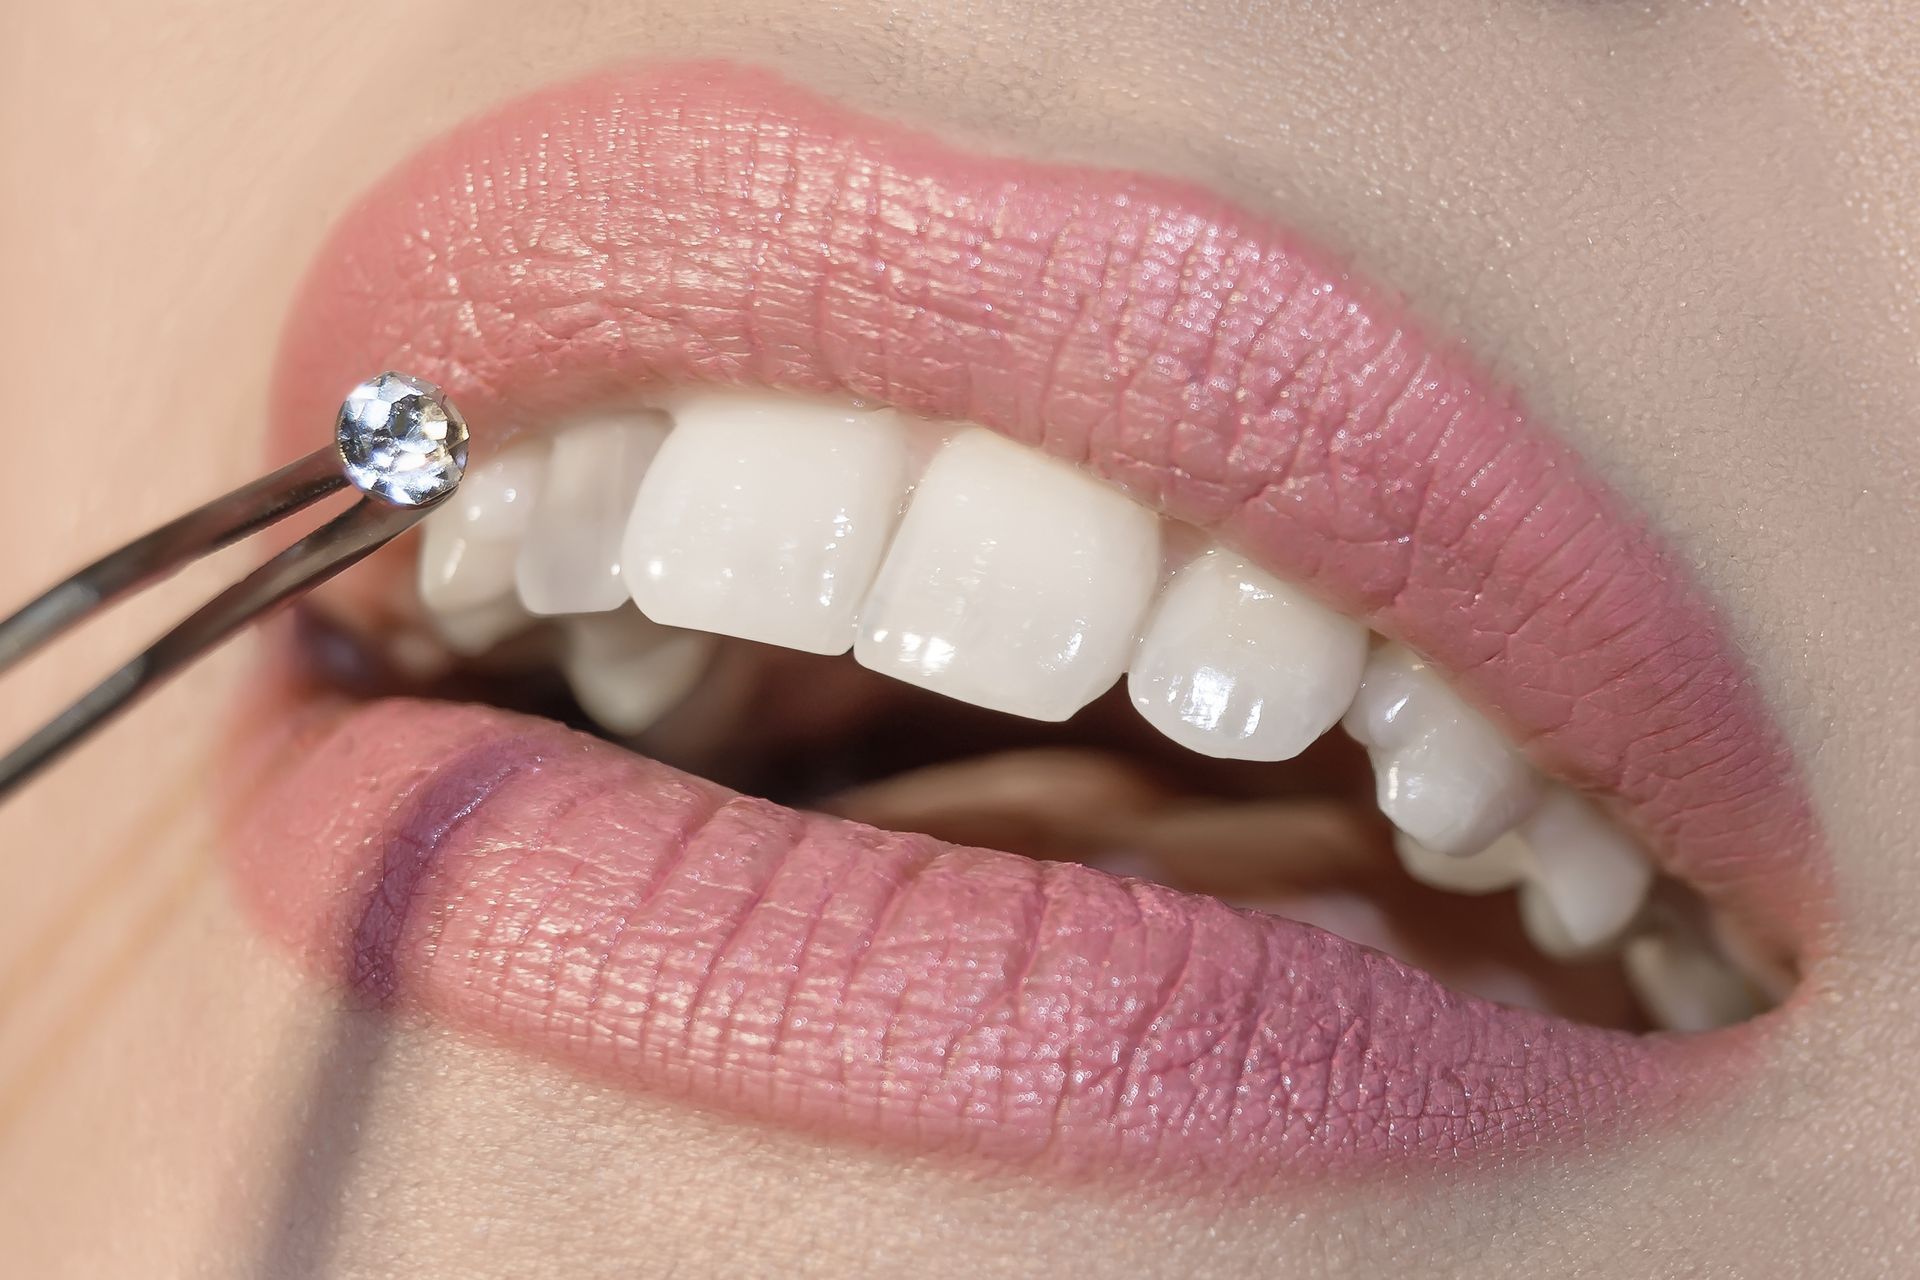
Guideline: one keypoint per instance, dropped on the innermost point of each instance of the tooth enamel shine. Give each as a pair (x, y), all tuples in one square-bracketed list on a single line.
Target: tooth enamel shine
[(1015, 582), (765, 517), (472, 541), (1442, 773), (569, 561), (1237, 664)]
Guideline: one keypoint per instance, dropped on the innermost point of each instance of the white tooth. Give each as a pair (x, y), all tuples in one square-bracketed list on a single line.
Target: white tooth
[(570, 559), (478, 628), (1501, 865), (470, 544), (1684, 986), (626, 671), (765, 518), (1238, 664), (1548, 933), (1016, 582), (1442, 773), (1589, 872)]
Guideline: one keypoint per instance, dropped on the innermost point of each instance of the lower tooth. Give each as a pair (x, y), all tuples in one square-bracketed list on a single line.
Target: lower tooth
[(1443, 774), (1589, 871), (627, 671), (1501, 865), (570, 559), (1684, 985)]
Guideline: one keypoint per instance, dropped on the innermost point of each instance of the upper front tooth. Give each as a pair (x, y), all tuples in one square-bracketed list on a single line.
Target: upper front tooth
[(1589, 872), (1015, 582), (765, 518), (570, 559), (627, 671), (1236, 663), (468, 551), (1443, 774)]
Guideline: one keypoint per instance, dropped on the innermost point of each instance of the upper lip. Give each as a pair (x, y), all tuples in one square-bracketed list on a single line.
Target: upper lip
[(710, 223)]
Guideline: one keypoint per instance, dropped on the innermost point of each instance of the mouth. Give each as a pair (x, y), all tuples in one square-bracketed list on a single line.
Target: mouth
[(1001, 658)]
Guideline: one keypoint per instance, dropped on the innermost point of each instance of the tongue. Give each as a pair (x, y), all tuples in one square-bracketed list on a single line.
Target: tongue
[(1058, 803), (1086, 805), (1325, 862)]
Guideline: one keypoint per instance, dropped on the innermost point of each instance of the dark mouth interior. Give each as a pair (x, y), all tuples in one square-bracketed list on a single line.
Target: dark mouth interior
[(1302, 839)]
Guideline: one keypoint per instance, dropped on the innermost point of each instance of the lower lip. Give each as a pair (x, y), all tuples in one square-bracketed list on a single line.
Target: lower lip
[(508, 876)]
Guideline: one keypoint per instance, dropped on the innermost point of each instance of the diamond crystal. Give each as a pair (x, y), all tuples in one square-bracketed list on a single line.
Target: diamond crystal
[(401, 440)]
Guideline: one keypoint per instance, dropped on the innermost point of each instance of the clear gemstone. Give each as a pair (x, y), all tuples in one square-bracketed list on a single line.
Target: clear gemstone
[(401, 440)]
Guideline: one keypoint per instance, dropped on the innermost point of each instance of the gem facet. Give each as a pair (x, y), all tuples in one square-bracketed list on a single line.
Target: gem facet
[(401, 441)]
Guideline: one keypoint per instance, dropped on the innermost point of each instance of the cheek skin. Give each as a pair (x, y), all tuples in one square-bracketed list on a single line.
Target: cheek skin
[(1685, 236)]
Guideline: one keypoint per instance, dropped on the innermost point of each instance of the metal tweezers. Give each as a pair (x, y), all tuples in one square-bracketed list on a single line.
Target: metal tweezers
[(397, 440)]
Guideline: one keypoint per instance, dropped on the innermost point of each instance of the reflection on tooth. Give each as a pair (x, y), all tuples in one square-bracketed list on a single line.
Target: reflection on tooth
[(476, 629), (570, 560), (470, 544), (1236, 663), (1443, 774), (1684, 985), (1015, 582), (627, 671), (765, 518), (1587, 870), (1501, 865)]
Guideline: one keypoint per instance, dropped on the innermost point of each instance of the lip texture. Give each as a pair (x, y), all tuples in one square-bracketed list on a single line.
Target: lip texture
[(708, 223)]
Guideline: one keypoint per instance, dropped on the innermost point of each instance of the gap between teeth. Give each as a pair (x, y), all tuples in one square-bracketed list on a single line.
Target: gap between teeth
[(948, 557)]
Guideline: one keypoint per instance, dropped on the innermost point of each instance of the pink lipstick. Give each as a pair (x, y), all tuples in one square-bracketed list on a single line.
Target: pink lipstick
[(692, 224)]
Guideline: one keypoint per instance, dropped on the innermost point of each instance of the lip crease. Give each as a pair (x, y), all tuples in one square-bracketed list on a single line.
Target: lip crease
[(709, 223)]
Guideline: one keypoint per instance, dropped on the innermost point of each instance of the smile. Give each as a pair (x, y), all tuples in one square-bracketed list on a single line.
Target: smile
[(1058, 655)]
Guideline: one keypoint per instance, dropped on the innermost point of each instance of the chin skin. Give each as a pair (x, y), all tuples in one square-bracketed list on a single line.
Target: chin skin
[(1682, 237)]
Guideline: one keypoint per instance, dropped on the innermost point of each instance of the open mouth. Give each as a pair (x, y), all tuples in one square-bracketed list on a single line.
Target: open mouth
[(1068, 675)]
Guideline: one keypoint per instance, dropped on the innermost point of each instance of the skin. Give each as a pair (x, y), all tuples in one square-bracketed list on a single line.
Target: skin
[(1682, 231)]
